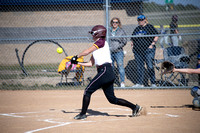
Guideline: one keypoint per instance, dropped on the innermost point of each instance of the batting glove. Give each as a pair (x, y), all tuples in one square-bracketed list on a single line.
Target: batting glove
[(74, 59)]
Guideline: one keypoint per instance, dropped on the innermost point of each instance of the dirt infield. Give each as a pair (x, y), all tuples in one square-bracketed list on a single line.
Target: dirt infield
[(53, 111)]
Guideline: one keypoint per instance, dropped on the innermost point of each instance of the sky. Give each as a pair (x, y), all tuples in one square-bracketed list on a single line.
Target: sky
[(183, 2)]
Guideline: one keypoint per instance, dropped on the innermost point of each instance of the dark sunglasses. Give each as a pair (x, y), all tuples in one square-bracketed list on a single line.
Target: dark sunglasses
[(140, 19), (115, 22)]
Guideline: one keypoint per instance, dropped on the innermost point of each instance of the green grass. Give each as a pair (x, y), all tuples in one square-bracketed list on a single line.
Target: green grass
[(14, 71), (10, 67), (5, 86)]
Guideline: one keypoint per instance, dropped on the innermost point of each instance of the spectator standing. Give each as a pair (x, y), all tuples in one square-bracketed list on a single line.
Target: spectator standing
[(163, 39), (144, 50), (174, 30), (116, 47), (198, 66)]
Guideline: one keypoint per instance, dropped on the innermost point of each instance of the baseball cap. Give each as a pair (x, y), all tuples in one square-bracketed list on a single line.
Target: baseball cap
[(141, 18)]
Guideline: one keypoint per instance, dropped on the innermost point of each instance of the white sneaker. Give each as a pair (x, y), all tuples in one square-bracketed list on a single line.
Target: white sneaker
[(138, 85), (154, 85), (122, 85)]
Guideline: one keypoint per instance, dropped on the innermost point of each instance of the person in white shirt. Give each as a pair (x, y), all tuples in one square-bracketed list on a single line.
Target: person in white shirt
[(105, 76)]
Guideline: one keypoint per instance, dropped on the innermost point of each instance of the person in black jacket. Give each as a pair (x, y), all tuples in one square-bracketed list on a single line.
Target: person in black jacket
[(144, 50)]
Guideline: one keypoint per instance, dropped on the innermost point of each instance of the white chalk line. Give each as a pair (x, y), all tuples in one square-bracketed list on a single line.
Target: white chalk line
[(105, 109), (59, 124), (51, 121), (12, 115), (169, 115), (149, 113), (21, 114), (66, 123)]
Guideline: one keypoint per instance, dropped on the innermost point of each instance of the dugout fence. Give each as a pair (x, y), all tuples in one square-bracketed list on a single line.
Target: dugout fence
[(68, 22)]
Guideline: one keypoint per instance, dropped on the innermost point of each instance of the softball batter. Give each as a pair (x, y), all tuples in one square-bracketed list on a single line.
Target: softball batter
[(105, 75)]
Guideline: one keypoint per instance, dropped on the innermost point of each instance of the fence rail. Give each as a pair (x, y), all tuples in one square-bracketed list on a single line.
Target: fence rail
[(68, 26)]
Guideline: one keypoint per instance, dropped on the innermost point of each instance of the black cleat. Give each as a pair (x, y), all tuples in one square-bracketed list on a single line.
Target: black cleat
[(80, 117), (137, 111)]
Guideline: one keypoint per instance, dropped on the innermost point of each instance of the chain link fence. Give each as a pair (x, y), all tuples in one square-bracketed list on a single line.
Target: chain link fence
[(31, 31)]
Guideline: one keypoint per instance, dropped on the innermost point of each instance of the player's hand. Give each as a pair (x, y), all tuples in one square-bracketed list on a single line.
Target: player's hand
[(74, 60)]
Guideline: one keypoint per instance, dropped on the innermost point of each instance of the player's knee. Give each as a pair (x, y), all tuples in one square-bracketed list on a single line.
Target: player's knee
[(86, 93), (112, 100)]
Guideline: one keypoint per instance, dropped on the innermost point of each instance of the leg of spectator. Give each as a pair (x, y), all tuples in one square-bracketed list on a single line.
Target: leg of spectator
[(120, 65), (149, 61), (140, 68)]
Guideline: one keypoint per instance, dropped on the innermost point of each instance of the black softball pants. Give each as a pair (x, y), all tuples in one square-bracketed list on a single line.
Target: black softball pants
[(104, 79)]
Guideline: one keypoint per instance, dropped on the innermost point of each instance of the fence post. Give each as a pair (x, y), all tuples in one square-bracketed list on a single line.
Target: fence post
[(107, 14)]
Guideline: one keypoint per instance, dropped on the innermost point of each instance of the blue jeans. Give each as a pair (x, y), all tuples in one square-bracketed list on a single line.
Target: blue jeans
[(147, 58), (119, 58)]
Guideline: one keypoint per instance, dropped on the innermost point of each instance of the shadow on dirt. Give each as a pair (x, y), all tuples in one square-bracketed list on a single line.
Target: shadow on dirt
[(182, 106), (91, 112)]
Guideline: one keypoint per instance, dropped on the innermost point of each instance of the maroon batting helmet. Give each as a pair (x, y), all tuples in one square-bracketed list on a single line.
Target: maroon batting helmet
[(98, 31)]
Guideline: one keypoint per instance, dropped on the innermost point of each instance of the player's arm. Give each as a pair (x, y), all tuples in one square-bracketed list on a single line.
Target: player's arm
[(176, 31), (154, 32), (88, 64), (133, 38), (155, 39), (154, 42), (188, 70), (87, 51)]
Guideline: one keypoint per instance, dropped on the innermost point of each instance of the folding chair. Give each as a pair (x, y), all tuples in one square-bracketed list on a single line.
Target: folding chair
[(78, 70), (176, 55)]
